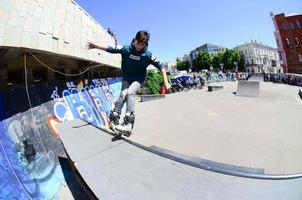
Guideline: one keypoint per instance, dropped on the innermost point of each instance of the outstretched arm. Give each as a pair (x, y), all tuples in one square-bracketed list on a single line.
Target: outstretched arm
[(94, 46), (107, 49), (166, 82)]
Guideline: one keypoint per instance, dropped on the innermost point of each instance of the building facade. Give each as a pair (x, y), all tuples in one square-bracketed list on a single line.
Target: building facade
[(259, 57), (211, 48), (56, 32), (288, 36)]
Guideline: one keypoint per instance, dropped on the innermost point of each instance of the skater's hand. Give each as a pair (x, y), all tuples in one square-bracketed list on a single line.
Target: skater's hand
[(168, 86), (91, 46)]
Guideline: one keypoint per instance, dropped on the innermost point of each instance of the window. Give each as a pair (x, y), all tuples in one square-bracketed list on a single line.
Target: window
[(300, 57), (60, 77), (292, 25), (284, 26), (280, 56), (39, 75), (15, 76), (287, 41), (298, 24), (297, 41), (277, 42)]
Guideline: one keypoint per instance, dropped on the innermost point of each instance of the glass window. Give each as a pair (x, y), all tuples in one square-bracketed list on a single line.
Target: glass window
[(15, 76), (297, 41), (39, 75), (284, 26), (280, 56), (298, 24), (292, 25), (287, 41), (300, 57)]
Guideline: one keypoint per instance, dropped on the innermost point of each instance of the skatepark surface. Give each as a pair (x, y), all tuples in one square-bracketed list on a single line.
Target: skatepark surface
[(180, 142), (262, 133), (120, 169)]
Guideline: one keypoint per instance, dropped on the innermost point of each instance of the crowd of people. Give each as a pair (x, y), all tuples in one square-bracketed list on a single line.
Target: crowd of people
[(288, 78), (197, 81), (228, 76)]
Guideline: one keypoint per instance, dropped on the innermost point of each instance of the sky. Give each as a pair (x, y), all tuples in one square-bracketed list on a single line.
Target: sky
[(179, 26)]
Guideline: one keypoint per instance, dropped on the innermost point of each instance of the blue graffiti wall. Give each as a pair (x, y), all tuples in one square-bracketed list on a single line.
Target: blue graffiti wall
[(29, 145), (91, 103)]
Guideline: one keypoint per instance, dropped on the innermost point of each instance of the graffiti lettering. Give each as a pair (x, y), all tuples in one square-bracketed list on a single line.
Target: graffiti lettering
[(92, 103)]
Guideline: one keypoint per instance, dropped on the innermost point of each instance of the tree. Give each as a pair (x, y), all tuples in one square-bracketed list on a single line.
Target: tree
[(182, 65), (203, 61), (216, 60), (227, 60), (154, 81), (241, 64)]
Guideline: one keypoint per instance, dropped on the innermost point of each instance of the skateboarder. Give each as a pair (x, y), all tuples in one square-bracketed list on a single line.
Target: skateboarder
[(135, 60)]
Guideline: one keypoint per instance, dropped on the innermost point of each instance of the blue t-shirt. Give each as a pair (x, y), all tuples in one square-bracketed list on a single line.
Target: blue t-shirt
[(135, 63)]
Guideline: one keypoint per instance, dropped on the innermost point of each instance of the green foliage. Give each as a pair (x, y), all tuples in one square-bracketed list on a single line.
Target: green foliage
[(203, 61), (235, 56), (241, 64), (154, 81), (182, 65), (227, 60), (216, 60)]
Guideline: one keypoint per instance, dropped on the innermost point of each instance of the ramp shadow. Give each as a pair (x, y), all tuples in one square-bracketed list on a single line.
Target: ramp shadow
[(77, 189)]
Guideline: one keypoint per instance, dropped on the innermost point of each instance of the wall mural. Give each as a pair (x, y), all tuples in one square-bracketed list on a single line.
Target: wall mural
[(91, 103), (29, 142)]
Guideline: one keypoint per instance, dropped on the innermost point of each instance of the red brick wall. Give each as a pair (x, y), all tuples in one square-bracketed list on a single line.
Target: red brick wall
[(289, 36)]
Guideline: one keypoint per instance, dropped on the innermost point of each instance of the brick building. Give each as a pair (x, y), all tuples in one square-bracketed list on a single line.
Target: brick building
[(289, 41)]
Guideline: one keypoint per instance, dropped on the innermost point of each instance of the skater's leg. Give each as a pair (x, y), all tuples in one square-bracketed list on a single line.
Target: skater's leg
[(118, 105), (131, 95), (129, 119)]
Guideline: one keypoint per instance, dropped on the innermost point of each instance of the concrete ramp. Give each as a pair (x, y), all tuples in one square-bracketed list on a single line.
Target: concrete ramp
[(248, 89), (212, 88), (119, 169), (256, 77)]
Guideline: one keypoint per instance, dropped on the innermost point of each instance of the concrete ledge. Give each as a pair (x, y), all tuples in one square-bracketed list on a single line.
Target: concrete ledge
[(233, 170), (212, 88), (151, 97), (248, 88)]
